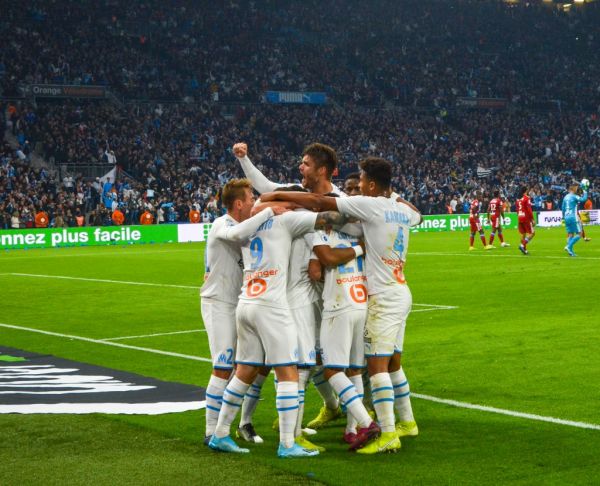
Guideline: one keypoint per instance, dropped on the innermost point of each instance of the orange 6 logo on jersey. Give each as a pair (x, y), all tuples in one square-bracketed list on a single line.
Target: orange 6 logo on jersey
[(399, 274), (358, 292), (256, 287)]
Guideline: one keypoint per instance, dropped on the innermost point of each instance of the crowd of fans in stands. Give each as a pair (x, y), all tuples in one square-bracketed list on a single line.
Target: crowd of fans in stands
[(413, 53), (394, 88), (181, 154)]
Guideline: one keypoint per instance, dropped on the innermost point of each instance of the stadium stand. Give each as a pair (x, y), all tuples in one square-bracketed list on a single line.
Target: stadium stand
[(186, 82)]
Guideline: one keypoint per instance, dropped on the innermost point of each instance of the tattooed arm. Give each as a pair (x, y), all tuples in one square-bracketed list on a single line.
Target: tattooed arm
[(330, 218)]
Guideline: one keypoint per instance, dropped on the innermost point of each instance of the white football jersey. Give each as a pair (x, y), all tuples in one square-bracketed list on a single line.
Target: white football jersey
[(345, 286), (267, 255), (300, 288), (223, 258), (385, 225)]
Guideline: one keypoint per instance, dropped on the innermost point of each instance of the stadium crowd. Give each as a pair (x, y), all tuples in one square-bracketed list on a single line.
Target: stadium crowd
[(394, 89), (415, 52)]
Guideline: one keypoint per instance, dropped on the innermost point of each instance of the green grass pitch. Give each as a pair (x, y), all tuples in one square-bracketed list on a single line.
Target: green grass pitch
[(521, 333)]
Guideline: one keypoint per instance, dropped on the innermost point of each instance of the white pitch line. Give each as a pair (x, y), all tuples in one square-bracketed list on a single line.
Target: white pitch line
[(453, 403), (106, 253), (432, 310), (488, 255), (153, 335), (150, 284), (124, 282), (511, 413), (108, 343)]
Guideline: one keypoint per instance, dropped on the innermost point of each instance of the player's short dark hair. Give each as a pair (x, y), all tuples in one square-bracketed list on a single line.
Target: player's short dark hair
[(377, 170), (233, 190), (293, 188), (353, 175), (522, 191), (496, 193), (323, 155)]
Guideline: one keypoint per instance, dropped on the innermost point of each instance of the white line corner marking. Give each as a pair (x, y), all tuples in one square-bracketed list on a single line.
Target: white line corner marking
[(108, 343)]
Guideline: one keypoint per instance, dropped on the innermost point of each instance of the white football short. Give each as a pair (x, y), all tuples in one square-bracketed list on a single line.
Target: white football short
[(266, 336), (306, 321), (386, 321), (318, 308), (219, 321), (343, 339)]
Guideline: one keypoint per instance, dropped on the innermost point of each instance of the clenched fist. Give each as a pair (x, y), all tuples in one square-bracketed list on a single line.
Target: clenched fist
[(240, 150)]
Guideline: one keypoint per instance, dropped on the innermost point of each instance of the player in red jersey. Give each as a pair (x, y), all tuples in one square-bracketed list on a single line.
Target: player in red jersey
[(476, 224), (495, 215), (526, 220)]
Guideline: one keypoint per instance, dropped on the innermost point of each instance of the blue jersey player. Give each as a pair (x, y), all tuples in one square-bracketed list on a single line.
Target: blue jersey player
[(572, 222)]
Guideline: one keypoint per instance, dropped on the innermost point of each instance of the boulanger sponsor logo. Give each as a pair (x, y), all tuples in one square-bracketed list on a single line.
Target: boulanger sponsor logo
[(33, 383)]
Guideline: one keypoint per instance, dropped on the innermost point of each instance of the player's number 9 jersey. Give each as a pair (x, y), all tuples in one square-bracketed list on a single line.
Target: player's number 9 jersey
[(266, 258)]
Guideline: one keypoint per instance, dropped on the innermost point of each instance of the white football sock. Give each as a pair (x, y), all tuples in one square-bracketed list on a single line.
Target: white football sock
[(324, 389), (232, 402), (303, 375), (251, 400), (402, 396), (287, 408), (350, 398), (214, 396), (383, 400), (351, 422)]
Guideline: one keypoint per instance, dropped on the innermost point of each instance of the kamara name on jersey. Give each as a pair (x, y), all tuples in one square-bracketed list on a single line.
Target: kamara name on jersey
[(396, 217), (261, 273)]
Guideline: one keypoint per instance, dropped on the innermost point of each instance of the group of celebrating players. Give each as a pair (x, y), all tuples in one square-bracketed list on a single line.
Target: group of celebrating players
[(323, 296), (322, 285)]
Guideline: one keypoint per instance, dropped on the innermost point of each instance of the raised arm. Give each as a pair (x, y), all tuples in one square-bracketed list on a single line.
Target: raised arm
[(245, 229), (258, 180)]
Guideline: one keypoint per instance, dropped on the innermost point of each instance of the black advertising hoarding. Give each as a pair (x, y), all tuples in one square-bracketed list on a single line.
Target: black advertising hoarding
[(66, 91)]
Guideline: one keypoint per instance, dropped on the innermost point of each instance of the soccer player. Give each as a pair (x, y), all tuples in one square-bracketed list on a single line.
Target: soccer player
[(385, 223), (267, 333), (342, 328), (495, 215), (475, 223), (572, 223), (352, 184), (526, 220), (319, 161), (219, 294)]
